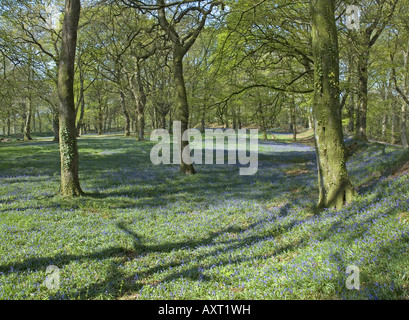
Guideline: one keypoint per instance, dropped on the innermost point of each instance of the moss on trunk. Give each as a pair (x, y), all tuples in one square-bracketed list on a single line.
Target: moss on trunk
[(183, 107), (335, 188), (70, 185)]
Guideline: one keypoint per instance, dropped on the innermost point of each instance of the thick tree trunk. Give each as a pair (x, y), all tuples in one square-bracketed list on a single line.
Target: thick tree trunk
[(70, 185), (334, 185), (183, 106)]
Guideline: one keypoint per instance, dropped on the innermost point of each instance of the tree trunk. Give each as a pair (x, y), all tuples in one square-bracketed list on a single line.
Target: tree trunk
[(203, 120), (40, 126), (394, 125), (100, 119), (334, 185), (82, 104), (33, 119), (362, 103), (140, 100), (27, 122), (351, 113), (293, 119), (70, 185), (404, 93), (384, 123), (170, 120), (8, 123), (403, 131), (56, 127), (183, 106), (127, 126)]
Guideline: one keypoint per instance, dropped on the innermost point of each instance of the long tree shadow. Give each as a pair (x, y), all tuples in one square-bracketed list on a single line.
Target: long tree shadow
[(114, 275), (115, 279)]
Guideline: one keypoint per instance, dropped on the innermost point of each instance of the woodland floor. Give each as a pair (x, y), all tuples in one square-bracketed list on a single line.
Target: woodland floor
[(147, 232)]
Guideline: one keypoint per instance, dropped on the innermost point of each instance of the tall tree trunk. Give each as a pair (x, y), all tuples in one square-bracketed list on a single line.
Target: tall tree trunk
[(8, 123), (293, 118), (170, 120), (100, 117), (127, 126), (40, 125), (183, 106), (28, 107), (140, 100), (351, 93), (384, 124), (334, 185), (404, 95), (403, 131), (82, 104), (27, 121), (70, 185), (33, 118), (362, 103), (203, 120), (351, 116), (56, 126), (367, 37), (394, 125)]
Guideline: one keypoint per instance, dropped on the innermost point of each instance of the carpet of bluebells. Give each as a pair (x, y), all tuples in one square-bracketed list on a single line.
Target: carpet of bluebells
[(148, 232)]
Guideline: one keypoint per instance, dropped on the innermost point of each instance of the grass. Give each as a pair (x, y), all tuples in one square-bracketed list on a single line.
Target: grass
[(147, 232)]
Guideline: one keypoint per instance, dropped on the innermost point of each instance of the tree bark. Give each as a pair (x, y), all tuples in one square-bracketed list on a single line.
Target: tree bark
[(28, 106), (180, 48), (27, 121), (384, 123), (404, 95), (127, 127), (362, 103), (293, 119), (183, 106), (403, 122), (335, 188), (8, 124), (70, 185), (140, 101), (82, 104), (56, 126)]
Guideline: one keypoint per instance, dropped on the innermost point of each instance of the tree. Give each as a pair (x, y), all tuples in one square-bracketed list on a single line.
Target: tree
[(334, 185), (181, 45), (70, 185), (376, 16)]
